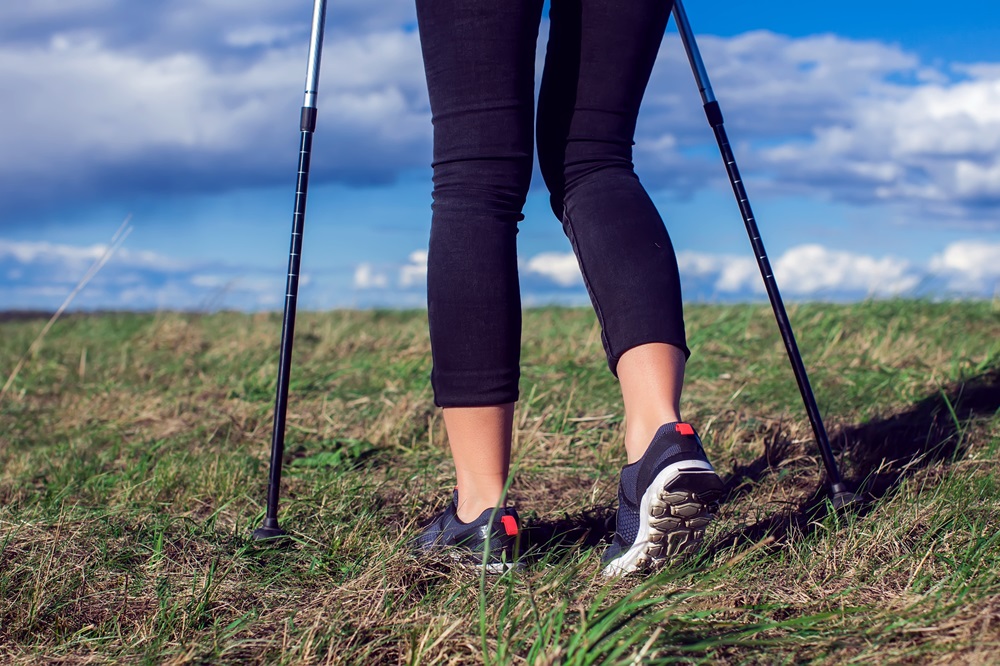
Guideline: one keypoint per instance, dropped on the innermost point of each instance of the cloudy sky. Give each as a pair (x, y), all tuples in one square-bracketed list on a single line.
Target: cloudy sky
[(869, 135)]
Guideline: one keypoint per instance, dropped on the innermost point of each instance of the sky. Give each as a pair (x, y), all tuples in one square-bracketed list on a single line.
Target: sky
[(868, 135)]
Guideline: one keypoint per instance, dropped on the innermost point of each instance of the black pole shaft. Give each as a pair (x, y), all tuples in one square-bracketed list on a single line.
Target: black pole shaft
[(307, 125), (288, 331), (715, 119), (777, 305)]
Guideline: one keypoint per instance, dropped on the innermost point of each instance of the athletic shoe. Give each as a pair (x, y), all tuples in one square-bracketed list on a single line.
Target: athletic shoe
[(494, 530), (665, 501)]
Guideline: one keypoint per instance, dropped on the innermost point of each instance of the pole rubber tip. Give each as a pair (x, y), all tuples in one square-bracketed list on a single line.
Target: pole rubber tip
[(269, 531), (842, 499)]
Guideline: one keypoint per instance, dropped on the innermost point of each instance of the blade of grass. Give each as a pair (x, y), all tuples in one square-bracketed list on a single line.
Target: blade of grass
[(116, 242)]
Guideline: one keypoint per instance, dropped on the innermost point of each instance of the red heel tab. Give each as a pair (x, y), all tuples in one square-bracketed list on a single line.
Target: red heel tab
[(509, 525), (684, 429)]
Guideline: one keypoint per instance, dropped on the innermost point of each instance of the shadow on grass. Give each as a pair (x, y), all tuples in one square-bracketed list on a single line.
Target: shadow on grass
[(564, 536), (882, 454)]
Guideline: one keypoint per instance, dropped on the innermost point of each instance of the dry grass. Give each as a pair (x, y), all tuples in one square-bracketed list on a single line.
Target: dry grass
[(133, 452)]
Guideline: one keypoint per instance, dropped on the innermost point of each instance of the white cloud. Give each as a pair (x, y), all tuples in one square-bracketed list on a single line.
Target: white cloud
[(932, 148), (777, 84), (85, 116), (409, 276), (41, 274), (27, 252), (69, 262), (964, 268), (105, 96), (365, 277), (123, 105), (260, 35), (816, 270), (561, 268), (720, 272), (415, 272), (17, 13), (211, 281), (862, 122), (969, 266), (737, 273), (811, 271)]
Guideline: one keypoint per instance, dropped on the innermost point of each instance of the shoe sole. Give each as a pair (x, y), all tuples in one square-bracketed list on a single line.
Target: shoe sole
[(471, 561), (467, 563), (673, 514)]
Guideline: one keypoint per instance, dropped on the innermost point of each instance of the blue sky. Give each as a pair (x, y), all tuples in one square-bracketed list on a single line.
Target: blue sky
[(869, 135)]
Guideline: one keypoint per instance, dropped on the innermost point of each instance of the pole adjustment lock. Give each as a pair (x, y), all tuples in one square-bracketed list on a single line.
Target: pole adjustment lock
[(714, 113), (307, 123)]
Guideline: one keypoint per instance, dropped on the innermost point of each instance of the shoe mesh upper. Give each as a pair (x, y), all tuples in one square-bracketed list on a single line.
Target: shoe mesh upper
[(488, 530), (627, 525)]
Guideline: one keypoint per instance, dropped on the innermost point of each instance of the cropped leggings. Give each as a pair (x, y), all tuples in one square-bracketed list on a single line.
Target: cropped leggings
[(479, 57)]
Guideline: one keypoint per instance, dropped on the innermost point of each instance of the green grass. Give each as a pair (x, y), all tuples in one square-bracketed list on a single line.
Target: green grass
[(133, 466)]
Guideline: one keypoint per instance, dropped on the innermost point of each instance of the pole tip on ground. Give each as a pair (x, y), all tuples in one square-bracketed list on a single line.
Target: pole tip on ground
[(274, 534), (844, 500)]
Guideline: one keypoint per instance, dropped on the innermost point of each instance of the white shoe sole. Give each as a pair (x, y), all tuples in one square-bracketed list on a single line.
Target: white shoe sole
[(673, 516)]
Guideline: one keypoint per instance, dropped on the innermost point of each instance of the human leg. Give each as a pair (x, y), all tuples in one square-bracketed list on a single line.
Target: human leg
[(599, 58), (480, 443), (651, 378), (479, 61)]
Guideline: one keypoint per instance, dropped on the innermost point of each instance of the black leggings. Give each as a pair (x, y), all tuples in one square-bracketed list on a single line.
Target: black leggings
[(479, 57)]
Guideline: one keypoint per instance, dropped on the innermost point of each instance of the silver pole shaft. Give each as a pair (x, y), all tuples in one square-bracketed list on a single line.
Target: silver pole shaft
[(694, 55), (315, 54)]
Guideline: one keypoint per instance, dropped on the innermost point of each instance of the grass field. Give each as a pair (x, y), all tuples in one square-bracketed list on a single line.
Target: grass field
[(133, 462)]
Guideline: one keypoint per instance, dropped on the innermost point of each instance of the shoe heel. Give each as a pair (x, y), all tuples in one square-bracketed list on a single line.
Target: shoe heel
[(703, 483)]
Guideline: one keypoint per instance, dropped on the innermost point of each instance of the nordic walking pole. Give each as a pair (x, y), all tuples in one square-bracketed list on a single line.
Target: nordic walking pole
[(839, 494), (307, 125)]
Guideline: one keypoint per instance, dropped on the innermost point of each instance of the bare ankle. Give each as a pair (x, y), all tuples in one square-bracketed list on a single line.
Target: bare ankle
[(471, 504), (638, 436), (651, 377), (480, 446)]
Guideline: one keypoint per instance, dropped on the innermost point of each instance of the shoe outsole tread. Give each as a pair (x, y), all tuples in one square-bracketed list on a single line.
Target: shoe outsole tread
[(677, 517), (676, 527)]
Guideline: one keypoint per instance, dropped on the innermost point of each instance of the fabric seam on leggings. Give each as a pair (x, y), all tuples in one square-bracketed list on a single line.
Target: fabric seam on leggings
[(586, 281)]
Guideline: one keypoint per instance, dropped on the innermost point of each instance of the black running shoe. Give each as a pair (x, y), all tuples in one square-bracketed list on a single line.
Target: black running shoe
[(494, 529), (665, 501)]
